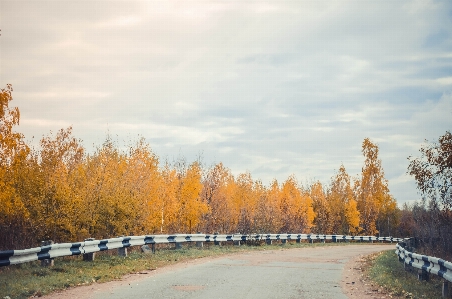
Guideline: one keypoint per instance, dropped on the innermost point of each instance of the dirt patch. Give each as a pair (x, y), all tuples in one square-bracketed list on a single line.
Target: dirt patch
[(188, 288), (356, 284)]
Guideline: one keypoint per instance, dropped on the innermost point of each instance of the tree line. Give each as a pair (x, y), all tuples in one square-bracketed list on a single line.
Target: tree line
[(59, 191)]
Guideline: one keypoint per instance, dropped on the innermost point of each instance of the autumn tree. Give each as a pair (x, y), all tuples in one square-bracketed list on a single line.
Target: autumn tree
[(100, 189), (433, 170), (13, 156), (296, 207), (218, 187), (143, 177), (322, 221), (372, 192), (168, 205), (244, 202), (121, 191), (344, 216), (228, 216), (268, 214), (191, 206), (61, 158), (433, 174)]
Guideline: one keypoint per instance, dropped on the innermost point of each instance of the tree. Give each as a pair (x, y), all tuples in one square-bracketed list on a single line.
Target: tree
[(245, 202), (214, 195), (13, 157), (168, 205), (371, 190), (345, 216), (192, 208), (323, 222), (433, 174), (268, 216), (433, 170), (60, 160), (296, 208), (143, 179)]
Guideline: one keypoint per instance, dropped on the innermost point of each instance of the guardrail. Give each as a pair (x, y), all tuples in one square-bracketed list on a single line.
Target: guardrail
[(90, 246), (425, 265)]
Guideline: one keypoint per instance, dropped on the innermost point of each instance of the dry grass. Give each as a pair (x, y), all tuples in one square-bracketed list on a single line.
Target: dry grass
[(387, 271)]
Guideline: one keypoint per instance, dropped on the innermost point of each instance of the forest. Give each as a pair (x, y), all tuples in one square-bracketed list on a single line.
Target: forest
[(58, 191)]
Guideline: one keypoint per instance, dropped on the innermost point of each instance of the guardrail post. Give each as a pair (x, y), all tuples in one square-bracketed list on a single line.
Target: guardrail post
[(123, 250), (422, 275), (47, 262), (199, 244), (89, 257), (178, 245), (284, 241), (268, 241), (146, 249), (406, 267), (445, 289), (236, 243), (215, 242)]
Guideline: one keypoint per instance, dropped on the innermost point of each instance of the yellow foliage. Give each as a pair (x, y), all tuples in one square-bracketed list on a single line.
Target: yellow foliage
[(192, 208), (352, 217), (168, 205), (13, 154), (296, 207), (323, 221), (58, 192), (372, 192), (344, 214)]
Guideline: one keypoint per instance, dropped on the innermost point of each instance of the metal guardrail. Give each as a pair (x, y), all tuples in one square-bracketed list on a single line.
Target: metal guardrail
[(11, 257), (424, 263)]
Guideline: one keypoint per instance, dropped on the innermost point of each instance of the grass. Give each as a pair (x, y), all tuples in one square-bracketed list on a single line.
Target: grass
[(30, 279), (386, 270)]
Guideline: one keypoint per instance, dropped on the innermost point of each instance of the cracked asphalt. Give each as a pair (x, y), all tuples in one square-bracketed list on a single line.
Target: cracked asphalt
[(287, 273)]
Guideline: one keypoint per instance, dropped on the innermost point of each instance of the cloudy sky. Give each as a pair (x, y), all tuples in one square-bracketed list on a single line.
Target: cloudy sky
[(274, 88)]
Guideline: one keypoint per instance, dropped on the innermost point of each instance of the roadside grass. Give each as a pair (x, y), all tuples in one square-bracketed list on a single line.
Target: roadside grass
[(31, 280), (386, 270)]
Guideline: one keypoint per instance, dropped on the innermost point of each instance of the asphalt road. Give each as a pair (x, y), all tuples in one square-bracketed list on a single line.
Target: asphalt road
[(288, 273)]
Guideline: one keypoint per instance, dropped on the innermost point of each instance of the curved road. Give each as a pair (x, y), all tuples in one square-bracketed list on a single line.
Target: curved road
[(293, 273)]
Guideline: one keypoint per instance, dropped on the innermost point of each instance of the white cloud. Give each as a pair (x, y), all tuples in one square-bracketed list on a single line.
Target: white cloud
[(277, 88), (445, 81), (121, 21)]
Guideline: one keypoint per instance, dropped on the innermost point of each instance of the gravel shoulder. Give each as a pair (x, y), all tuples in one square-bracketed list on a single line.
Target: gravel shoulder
[(355, 283)]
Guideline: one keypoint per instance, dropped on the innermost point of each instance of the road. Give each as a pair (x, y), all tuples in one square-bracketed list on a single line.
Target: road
[(287, 273)]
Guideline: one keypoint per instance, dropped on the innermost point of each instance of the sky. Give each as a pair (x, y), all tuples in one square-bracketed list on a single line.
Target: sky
[(276, 88)]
